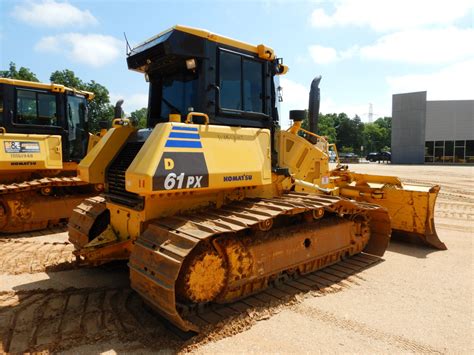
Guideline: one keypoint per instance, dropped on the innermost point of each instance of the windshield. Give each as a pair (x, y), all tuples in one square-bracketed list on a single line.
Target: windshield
[(174, 93)]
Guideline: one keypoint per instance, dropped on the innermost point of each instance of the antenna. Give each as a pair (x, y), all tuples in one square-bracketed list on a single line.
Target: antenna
[(128, 48)]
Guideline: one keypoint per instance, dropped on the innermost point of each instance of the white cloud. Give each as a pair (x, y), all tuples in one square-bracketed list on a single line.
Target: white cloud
[(327, 55), (453, 82), (423, 46), (295, 97), (131, 102), (323, 55), (50, 13), (95, 50), (417, 46), (392, 14)]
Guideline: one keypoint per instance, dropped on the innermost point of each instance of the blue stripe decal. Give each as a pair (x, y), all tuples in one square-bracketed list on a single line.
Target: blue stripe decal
[(179, 128), (182, 144), (184, 135)]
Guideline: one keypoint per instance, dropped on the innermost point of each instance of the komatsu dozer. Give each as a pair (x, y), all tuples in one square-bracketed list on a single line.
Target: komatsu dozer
[(43, 136), (213, 202)]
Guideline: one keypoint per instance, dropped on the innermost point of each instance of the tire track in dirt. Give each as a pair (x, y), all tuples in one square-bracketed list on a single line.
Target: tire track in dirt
[(363, 329), (242, 315), (21, 256), (449, 191), (454, 210), (458, 211), (40, 233), (58, 320)]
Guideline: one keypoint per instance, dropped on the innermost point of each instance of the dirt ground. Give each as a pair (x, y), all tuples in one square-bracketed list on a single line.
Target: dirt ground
[(415, 299)]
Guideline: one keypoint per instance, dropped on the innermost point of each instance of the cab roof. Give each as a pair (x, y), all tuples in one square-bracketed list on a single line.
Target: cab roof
[(50, 87), (179, 40)]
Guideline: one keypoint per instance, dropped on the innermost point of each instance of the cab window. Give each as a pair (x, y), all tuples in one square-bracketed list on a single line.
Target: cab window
[(77, 121), (1, 105), (35, 108), (1, 102), (241, 83)]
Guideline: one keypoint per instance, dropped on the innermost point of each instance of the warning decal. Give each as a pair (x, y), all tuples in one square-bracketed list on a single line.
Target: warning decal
[(21, 147)]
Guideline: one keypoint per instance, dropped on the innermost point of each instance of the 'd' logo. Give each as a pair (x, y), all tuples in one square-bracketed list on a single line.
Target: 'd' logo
[(169, 164)]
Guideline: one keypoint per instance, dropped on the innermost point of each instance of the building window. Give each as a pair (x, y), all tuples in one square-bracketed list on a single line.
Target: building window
[(448, 156), (469, 151), (449, 151), (439, 151), (429, 151), (459, 151), (241, 83)]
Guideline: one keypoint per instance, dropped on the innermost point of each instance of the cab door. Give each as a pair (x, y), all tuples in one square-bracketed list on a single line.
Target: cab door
[(77, 135)]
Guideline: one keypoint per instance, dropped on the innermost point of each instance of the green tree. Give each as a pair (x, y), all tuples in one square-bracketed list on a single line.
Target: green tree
[(325, 126), (99, 109), (21, 74), (385, 123), (139, 116), (373, 137), (66, 77), (349, 131)]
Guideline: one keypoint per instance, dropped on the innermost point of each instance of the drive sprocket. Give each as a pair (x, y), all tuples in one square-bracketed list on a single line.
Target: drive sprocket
[(204, 277)]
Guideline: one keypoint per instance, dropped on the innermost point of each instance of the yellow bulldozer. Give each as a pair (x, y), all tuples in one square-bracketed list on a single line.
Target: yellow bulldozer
[(43, 136), (214, 202)]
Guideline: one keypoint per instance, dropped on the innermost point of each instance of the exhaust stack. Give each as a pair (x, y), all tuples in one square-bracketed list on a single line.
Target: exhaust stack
[(313, 107)]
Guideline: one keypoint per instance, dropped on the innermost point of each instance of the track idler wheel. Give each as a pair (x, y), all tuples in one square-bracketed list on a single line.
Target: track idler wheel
[(203, 278)]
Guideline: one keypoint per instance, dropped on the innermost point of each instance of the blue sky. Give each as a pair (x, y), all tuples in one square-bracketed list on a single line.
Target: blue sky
[(366, 50)]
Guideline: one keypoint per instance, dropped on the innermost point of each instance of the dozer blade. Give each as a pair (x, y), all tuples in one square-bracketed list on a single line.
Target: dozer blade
[(411, 207)]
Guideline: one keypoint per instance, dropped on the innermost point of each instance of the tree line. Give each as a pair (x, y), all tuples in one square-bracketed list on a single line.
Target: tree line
[(350, 135)]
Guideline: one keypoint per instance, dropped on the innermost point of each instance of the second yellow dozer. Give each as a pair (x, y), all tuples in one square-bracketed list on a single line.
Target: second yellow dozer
[(213, 202), (43, 136)]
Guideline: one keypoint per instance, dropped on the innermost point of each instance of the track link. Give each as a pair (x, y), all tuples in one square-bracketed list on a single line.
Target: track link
[(37, 184), (39, 203), (169, 243), (87, 220)]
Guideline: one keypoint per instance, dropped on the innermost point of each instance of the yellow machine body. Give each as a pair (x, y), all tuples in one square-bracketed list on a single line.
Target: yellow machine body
[(20, 152), (213, 157), (214, 211), (38, 183)]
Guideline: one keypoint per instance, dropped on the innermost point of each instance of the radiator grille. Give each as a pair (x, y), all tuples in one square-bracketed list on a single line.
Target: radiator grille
[(116, 176)]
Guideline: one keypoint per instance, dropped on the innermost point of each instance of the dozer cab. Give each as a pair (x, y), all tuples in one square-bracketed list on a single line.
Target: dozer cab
[(213, 202), (43, 136)]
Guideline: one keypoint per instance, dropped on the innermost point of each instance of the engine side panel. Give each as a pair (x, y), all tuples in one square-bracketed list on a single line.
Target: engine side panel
[(187, 157), (30, 152)]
